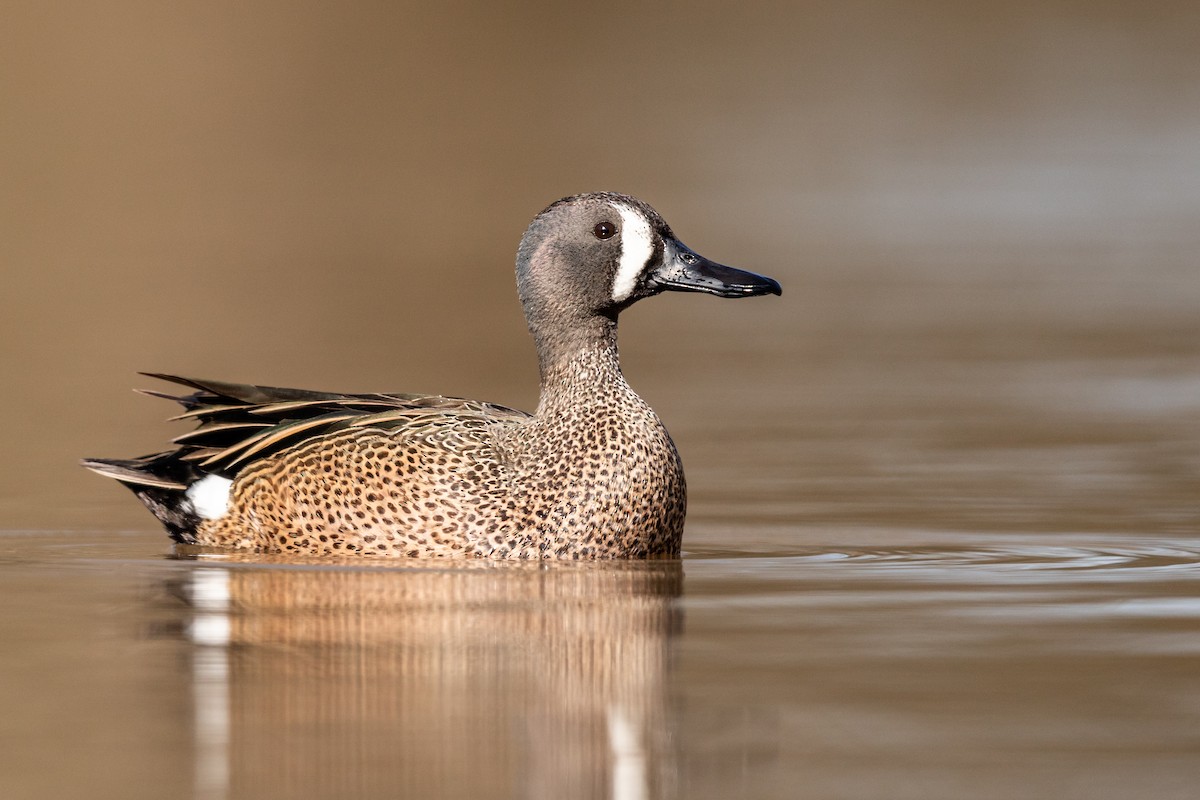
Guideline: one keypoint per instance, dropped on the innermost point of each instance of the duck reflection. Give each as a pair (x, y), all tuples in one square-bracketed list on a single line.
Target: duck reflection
[(469, 679)]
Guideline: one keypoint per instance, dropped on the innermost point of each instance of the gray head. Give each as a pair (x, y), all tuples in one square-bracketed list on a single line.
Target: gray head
[(592, 255)]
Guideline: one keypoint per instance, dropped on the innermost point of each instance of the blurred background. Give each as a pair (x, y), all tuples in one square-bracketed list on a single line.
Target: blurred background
[(941, 537), (984, 217)]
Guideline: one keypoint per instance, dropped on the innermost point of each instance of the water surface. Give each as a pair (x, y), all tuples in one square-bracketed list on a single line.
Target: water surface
[(1010, 668)]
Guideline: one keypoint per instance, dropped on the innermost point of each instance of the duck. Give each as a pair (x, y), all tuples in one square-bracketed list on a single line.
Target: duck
[(591, 474)]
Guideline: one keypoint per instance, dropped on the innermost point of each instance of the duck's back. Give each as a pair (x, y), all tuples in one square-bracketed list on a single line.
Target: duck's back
[(600, 480), (429, 484)]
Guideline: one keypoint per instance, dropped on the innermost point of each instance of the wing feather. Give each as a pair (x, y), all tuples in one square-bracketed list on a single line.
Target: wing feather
[(241, 423)]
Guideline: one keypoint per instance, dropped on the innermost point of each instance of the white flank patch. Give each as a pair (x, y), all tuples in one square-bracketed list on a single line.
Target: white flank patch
[(210, 496), (637, 245)]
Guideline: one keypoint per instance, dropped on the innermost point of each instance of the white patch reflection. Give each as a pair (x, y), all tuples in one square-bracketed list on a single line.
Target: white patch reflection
[(210, 631), (628, 757)]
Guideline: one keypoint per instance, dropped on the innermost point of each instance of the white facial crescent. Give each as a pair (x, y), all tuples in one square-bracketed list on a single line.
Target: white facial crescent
[(637, 246)]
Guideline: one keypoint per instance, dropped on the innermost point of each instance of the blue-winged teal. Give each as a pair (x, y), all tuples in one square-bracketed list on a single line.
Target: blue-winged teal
[(592, 474)]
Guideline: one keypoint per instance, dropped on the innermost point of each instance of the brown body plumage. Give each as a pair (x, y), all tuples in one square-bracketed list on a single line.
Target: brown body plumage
[(592, 474)]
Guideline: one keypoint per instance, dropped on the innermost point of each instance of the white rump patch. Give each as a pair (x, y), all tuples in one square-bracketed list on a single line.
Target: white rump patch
[(210, 496), (637, 245)]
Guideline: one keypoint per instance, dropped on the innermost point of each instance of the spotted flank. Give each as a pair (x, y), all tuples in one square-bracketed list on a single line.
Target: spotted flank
[(592, 474)]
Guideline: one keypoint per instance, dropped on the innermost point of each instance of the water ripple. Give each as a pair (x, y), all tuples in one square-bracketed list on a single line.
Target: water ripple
[(1015, 563)]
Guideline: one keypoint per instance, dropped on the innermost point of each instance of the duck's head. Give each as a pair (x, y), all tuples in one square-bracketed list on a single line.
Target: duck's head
[(592, 255)]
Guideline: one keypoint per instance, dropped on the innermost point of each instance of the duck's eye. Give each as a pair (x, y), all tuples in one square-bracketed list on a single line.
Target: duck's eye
[(604, 230)]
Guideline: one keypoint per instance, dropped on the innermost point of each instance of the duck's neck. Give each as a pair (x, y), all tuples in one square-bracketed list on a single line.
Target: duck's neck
[(578, 365)]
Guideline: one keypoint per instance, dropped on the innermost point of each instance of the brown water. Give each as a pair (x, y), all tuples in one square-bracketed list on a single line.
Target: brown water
[(944, 527), (1009, 668)]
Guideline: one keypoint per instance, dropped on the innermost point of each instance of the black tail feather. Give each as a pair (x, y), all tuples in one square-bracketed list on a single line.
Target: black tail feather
[(161, 470), (160, 481)]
